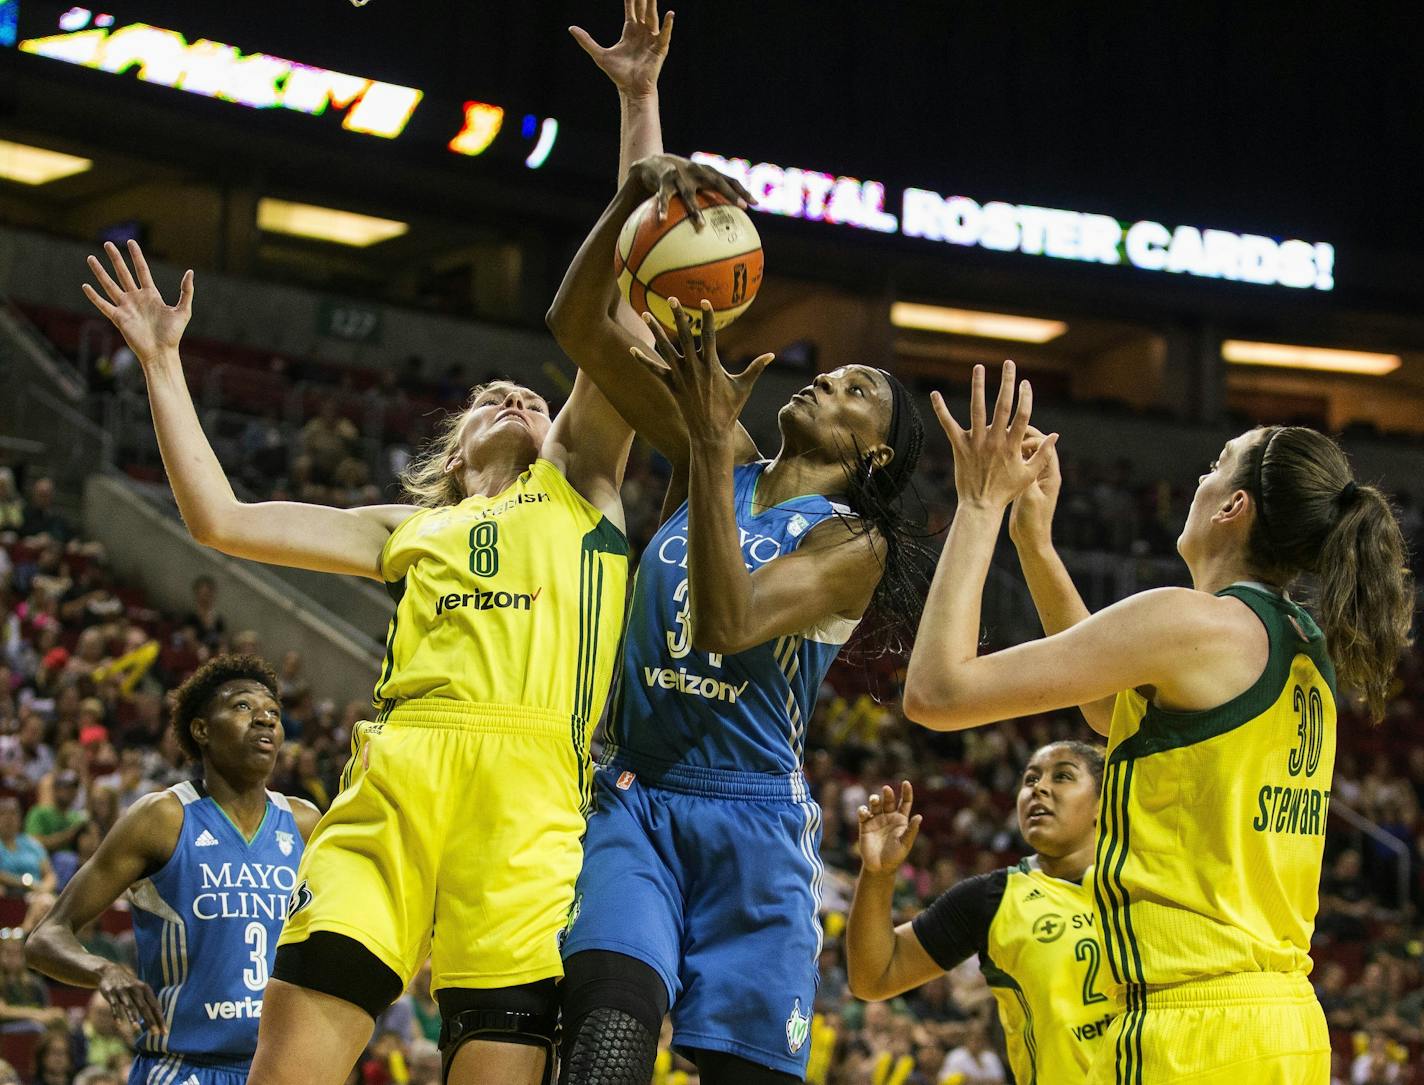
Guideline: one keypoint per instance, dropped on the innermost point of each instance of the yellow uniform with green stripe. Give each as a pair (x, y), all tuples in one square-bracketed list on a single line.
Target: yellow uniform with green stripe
[(1210, 844), (462, 808), (1040, 947)]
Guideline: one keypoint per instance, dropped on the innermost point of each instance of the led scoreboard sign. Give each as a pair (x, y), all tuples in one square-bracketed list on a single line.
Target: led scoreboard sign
[(260, 81), (1033, 231)]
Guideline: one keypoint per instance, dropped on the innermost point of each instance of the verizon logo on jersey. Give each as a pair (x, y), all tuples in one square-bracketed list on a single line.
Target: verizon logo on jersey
[(486, 600), (233, 1009), (694, 685)]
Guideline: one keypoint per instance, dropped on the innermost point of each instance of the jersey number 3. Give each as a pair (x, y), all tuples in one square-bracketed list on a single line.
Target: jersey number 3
[(256, 976)]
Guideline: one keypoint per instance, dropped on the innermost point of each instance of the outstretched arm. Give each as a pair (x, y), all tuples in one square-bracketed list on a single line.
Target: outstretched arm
[(1055, 597), (142, 840), (882, 959), (277, 532)]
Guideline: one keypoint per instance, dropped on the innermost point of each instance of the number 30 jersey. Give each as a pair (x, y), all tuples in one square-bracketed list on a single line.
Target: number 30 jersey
[(1212, 829), (1040, 948), (206, 926), (513, 601)]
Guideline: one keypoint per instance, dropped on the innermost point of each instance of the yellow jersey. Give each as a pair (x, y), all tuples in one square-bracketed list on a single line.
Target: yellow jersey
[(512, 602), (1040, 948), (1212, 829)]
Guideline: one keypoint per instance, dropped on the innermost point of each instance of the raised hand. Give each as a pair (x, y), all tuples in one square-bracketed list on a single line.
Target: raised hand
[(666, 175), (989, 465), (710, 398), (634, 61), (1031, 515), (887, 829), (149, 325)]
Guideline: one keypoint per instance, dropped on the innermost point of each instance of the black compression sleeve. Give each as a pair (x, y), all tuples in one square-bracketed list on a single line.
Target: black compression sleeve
[(956, 925)]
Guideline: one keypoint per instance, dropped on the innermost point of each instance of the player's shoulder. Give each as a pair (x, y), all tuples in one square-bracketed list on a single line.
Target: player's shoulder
[(305, 813), (151, 826)]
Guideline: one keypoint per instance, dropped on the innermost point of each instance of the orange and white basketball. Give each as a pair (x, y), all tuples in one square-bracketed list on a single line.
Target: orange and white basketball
[(722, 262)]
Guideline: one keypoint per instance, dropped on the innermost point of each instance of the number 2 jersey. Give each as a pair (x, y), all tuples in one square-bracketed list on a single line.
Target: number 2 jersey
[(678, 708), (1211, 834), (206, 926), (1040, 948)]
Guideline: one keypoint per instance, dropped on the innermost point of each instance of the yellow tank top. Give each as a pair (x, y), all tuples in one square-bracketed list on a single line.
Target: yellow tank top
[(511, 601), (1212, 829), (1040, 947)]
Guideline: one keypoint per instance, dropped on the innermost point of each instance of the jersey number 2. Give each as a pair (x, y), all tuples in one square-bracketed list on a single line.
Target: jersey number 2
[(1087, 950), (256, 976)]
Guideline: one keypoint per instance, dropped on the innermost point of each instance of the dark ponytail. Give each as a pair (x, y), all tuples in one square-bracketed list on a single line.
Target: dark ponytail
[(1313, 517)]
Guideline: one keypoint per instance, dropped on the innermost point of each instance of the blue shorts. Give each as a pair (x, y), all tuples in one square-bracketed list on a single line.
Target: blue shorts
[(176, 1070), (714, 880)]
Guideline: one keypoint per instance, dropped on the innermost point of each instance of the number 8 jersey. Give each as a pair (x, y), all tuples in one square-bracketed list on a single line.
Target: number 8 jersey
[(206, 926)]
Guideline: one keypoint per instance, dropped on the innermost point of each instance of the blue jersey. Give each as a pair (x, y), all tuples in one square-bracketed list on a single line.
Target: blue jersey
[(206, 926), (677, 706)]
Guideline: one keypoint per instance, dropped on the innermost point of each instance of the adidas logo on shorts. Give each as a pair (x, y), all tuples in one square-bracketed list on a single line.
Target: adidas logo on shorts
[(206, 840)]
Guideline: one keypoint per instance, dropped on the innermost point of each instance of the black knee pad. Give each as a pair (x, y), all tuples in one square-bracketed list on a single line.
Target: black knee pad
[(613, 1011), (341, 967), (723, 1068), (526, 1014)]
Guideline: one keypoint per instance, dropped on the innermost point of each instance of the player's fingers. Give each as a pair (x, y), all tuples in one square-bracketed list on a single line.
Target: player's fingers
[(863, 813), (185, 292), (873, 801), (632, 11), (1004, 405), (145, 279), (665, 36), (708, 331), (684, 330), (665, 190), (586, 42), (887, 797), (687, 189), (907, 797), (661, 342), (976, 401), (1021, 416), (659, 369), (755, 368), (106, 280), (121, 267), (105, 307), (952, 429), (912, 831), (1038, 460)]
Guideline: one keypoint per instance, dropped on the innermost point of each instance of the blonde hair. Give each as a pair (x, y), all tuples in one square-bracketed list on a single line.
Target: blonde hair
[(426, 481)]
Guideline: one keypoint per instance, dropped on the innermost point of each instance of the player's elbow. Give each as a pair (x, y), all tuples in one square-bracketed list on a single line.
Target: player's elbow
[(932, 704), (864, 987), (723, 638)]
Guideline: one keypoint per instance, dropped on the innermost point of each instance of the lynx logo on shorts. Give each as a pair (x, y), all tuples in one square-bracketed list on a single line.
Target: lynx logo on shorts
[(300, 898), (798, 1028), (285, 842)]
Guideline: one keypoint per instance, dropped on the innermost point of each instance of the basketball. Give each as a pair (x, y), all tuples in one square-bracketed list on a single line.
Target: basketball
[(722, 262)]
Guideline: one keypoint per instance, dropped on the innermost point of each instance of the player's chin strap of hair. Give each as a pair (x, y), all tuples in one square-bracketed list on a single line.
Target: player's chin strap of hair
[(500, 1026)]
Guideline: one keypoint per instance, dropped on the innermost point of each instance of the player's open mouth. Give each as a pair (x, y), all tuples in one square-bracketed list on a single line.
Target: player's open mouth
[(266, 742), (1037, 813)]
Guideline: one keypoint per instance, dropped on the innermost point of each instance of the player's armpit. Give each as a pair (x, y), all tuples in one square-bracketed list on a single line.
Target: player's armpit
[(305, 814)]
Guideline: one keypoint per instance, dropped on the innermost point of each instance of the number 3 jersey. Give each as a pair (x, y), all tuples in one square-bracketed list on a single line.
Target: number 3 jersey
[(677, 706), (1040, 948), (206, 926)]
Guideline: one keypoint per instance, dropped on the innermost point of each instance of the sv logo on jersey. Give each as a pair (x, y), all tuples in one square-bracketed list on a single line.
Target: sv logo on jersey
[(300, 898)]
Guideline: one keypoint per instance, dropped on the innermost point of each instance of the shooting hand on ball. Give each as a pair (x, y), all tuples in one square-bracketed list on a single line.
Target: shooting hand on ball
[(150, 326), (710, 398), (667, 175), (634, 61)]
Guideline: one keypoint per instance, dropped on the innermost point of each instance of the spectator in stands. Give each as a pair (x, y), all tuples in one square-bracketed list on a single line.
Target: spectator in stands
[(24, 1000), (67, 862), (42, 520), (292, 684), (90, 599), (104, 1043), (8, 1074), (424, 1006), (205, 621), (327, 440), (57, 824), (12, 505), (973, 1059), (1344, 899), (1376, 1064), (24, 863), (25, 755), (99, 1075), (54, 1062)]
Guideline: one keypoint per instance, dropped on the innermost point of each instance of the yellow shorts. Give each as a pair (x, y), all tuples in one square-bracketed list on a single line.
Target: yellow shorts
[(1248, 1028), (457, 833)]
